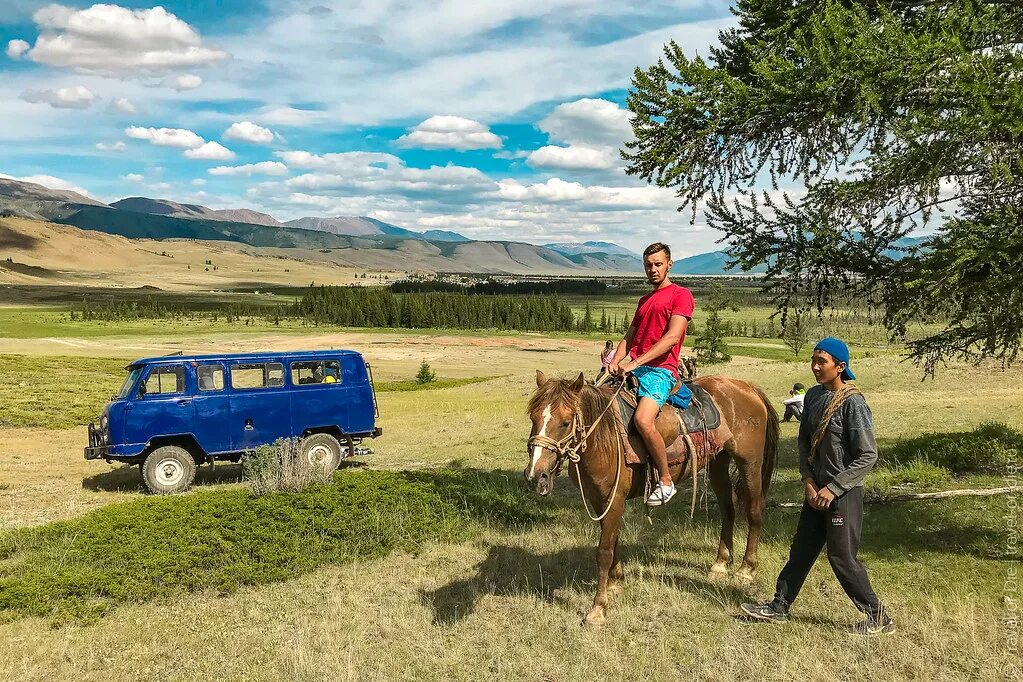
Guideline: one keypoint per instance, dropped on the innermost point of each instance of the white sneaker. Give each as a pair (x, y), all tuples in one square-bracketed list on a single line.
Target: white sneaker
[(661, 494)]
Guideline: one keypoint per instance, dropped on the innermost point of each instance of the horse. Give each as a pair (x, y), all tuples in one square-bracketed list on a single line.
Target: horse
[(571, 422)]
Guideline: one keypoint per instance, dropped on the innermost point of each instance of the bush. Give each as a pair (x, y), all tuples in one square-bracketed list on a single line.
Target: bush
[(425, 374), (919, 474), (281, 468), (157, 547), (990, 447)]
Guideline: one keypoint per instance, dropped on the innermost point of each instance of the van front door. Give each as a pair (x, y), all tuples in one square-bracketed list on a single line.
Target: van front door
[(163, 407)]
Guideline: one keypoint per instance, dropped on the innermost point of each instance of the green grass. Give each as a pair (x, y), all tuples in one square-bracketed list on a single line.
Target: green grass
[(412, 385), (990, 447), (221, 540)]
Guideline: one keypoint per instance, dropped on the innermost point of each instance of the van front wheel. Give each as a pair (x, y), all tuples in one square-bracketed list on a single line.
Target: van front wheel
[(321, 450), (168, 470)]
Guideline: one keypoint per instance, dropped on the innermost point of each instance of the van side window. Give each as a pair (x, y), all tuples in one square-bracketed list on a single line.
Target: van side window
[(211, 378), (166, 380), (257, 375), (315, 372)]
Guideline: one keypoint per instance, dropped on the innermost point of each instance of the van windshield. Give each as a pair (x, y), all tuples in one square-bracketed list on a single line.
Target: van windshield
[(129, 381)]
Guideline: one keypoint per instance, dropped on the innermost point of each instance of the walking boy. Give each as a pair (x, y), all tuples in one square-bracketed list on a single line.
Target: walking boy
[(836, 450), (652, 345)]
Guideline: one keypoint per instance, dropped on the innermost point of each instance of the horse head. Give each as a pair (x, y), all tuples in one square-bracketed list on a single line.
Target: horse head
[(554, 412)]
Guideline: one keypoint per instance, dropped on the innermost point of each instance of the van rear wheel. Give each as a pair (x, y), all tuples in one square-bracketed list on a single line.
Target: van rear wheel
[(321, 450), (168, 470)]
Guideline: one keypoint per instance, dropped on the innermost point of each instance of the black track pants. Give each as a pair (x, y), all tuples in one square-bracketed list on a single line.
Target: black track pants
[(838, 528)]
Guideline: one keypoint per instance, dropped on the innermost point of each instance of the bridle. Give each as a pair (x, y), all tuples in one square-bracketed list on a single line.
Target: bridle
[(571, 447)]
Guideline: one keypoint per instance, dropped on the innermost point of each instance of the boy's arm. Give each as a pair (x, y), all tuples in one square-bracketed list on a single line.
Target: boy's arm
[(623, 346), (859, 432), (803, 445), (677, 326)]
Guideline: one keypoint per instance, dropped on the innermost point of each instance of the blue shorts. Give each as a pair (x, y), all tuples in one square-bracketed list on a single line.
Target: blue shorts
[(654, 382)]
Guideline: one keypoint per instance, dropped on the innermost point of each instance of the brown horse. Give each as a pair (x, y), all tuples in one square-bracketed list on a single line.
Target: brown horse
[(562, 411)]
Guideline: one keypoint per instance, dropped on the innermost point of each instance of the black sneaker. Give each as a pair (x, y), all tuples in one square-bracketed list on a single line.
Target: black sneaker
[(769, 612), (872, 627)]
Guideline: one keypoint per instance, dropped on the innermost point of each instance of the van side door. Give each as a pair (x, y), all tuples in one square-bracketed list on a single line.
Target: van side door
[(260, 407), (212, 408), (163, 405), (318, 395)]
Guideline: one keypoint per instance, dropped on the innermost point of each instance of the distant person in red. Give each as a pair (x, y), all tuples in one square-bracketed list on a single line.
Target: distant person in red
[(650, 352)]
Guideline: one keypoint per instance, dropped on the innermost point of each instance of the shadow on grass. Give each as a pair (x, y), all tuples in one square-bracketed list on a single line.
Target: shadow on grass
[(129, 479)]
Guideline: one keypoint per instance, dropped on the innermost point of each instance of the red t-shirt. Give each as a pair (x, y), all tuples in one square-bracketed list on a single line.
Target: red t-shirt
[(651, 323)]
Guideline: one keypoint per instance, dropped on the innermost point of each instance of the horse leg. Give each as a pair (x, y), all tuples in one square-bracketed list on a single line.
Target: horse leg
[(616, 575), (722, 486), (609, 527), (753, 502)]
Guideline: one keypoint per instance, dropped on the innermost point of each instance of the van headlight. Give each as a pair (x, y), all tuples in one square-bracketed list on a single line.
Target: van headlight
[(103, 422)]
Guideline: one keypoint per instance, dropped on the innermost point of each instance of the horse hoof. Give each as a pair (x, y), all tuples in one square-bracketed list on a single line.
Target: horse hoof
[(595, 618), (717, 574), (745, 577)]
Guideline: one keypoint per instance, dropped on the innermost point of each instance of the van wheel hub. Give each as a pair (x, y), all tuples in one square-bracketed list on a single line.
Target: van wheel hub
[(319, 455), (169, 472)]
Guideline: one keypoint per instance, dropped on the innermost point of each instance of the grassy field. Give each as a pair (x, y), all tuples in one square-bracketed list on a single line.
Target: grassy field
[(493, 586)]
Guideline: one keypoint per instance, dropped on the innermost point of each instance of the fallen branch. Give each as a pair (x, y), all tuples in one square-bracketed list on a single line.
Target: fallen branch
[(965, 492)]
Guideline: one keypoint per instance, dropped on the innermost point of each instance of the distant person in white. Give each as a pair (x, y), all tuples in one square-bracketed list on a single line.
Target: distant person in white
[(794, 405)]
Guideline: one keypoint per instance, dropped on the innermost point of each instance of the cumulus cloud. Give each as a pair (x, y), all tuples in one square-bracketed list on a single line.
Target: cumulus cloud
[(594, 122), (450, 132), (133, 177), (211, 151), (261, 168), (247, 131), (588, 197), (572, 158), (117, 146), (290, 116), (123, 105), (75, 97), (199, 182), (186, 81), (166, 137), (115, 40), (16, 48)]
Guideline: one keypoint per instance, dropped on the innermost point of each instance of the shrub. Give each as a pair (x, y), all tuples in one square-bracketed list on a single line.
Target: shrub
[(919, 474), (425, 374), (989, 447), (156, 547), (281, 468)]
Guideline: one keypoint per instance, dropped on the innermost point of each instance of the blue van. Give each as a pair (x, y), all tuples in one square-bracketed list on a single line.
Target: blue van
[(175, 412)]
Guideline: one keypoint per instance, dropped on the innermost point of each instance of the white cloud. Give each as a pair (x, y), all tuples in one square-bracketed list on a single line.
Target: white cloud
[(588, 197), (575, 157), (112, 39), (123, 105), (290, 116), (247, 131), (450, 132), (16, 48), (211, 151), (199, 182), (117, 146), (166, 137), (261, 168), (75, 97), (49, 181), (595, 122), (186, 81), (134, 177)]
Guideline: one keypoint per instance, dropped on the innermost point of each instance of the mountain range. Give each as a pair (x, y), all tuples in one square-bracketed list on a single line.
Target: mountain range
[(358, 241)]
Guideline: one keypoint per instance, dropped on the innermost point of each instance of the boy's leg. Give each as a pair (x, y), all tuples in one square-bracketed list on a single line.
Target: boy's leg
[(845, 523), (809, 540), (789, 413)]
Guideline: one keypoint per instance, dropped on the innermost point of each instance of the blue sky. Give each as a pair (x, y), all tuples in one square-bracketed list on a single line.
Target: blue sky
[(500, 120)]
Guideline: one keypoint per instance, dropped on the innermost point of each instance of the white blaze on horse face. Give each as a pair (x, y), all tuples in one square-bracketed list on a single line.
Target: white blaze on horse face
[(537, 449)]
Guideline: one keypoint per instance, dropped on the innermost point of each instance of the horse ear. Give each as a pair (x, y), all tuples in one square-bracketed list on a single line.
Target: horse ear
[(577, 385), (541, 378)]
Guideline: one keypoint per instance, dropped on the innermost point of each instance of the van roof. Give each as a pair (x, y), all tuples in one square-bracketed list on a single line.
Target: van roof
[(255, 357)]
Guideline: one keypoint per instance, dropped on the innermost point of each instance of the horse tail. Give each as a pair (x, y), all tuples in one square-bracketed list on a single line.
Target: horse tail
[(771, 437)]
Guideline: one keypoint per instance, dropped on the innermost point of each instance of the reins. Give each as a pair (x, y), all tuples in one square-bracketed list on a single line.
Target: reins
[(574, 444)]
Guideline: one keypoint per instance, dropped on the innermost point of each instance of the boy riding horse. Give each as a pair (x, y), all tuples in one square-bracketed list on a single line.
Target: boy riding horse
[(652, 344)]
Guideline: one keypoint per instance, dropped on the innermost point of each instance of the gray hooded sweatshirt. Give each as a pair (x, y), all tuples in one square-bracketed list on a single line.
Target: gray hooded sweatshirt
[(848, 450)]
